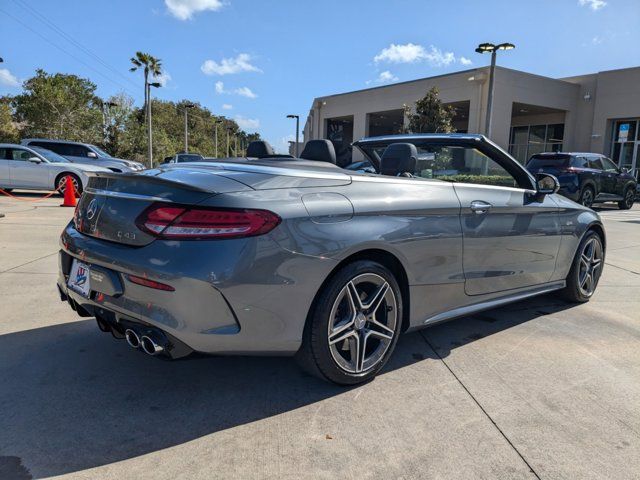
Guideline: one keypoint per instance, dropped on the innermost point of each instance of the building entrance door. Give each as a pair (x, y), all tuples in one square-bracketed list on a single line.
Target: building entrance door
[(625, 150)]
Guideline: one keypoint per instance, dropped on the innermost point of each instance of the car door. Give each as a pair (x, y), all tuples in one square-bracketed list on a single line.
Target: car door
[(5, 177), (617, 183), (604, 180), (511, 235), (27, 174)]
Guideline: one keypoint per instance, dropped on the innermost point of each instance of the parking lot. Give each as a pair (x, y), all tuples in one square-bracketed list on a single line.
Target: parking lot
[(537, 389)]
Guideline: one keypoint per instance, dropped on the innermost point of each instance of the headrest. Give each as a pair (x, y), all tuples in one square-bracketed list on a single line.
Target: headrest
[(259, 149), (320, 150), (399, 158)]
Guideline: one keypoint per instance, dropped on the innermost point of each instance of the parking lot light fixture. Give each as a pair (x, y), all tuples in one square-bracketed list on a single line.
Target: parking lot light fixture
[(297, 117), (492, 49), (149, 85), (186, 127)]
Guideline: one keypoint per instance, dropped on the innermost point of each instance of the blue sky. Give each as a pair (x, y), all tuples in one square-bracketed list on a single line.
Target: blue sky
[(256, 61)]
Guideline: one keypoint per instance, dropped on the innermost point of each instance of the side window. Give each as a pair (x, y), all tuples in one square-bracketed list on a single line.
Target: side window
[(79, 151), (596, 162), (579, 162), (461, 164), (609, 166), (20, 154), (4, 152), (54, 147)]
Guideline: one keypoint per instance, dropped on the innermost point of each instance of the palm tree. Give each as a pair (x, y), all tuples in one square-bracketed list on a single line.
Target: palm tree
[(151, 65)]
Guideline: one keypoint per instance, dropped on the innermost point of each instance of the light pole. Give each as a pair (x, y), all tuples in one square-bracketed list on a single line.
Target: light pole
[(149, 129), (297, 117), (493, 50), (216, 123), (186, 127), (105, 107)]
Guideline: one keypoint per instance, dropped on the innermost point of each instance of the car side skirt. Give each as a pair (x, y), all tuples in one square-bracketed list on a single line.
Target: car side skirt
[(495, 302)]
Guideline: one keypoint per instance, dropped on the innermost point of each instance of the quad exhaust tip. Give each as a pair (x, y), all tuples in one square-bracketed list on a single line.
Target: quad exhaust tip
[(132, 338), (150, 346)]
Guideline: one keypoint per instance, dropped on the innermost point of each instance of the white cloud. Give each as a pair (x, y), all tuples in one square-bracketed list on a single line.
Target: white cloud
[(593, 4), (226, 106), (251, 124), (597, 40), (242, 91), (384, 77), (185, 9), (162, 79), (8, 79), (465, 61), (227, 66), (412, 53), (245, 92)]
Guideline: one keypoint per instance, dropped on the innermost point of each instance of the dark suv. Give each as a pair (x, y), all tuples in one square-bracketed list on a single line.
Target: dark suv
[(587, 178)]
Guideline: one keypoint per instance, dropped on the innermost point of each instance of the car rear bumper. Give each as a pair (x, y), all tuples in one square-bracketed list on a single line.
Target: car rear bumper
[(227, 298)]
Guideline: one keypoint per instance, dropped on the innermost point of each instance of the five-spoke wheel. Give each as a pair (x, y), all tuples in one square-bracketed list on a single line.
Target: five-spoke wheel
[(354, 325), (586, 268), (362, 323)]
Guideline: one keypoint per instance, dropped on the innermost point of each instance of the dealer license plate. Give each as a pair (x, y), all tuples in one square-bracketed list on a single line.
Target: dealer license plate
[(79, 278)]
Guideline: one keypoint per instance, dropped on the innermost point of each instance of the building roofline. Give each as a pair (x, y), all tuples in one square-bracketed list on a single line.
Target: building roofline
[(407, 82)]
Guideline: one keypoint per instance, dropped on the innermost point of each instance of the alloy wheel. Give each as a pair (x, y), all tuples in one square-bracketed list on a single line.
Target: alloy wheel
[(587, 198), (362, 323), (590, 266), (62, 184), (628, 198)]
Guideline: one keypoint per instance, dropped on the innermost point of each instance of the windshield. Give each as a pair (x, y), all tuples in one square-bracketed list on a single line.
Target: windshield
[(50, 156), (190, 158), (102, 153)]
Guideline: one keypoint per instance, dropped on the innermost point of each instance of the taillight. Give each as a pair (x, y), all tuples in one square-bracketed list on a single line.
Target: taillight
[(191, 223), (145, 282)]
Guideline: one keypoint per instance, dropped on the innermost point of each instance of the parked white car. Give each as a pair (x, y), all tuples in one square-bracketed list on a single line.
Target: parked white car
[(34, 168)]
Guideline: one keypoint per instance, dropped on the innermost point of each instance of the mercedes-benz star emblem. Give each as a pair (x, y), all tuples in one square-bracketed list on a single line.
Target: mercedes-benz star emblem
[(92, 209)]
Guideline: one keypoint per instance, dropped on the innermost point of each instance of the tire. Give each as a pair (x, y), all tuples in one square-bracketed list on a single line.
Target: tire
[(587, 195), (61, 183), (586, 262), (340, 322), (627, 199)]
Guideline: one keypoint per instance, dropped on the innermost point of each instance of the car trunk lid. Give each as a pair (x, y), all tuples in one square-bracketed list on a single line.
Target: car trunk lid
[(111, 203)]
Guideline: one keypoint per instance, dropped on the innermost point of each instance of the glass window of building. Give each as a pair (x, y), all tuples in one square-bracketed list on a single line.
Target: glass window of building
[(529, 140)]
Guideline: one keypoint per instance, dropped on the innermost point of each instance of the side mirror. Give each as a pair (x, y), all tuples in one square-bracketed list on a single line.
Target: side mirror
[(34, 160), (624, 170), (547, 184), (92, 155)]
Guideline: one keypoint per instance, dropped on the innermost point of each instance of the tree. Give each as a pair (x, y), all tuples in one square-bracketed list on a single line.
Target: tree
[(9, 131), (151, 65), (59, 106), (430, 116)]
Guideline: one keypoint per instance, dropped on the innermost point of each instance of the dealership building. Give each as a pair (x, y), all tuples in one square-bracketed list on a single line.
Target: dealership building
[(597, 112)]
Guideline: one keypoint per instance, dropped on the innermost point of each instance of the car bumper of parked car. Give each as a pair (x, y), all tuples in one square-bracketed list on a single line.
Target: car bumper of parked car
[(223, 304)]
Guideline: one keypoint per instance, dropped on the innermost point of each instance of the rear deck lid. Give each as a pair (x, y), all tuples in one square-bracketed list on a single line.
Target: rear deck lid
[(111, 203)]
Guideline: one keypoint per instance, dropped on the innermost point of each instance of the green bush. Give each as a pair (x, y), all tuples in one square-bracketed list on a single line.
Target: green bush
[(500, 180)]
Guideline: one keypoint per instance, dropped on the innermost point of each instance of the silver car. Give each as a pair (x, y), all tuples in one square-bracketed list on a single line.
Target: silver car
[(33, 168), (302, 257), (85, 153)]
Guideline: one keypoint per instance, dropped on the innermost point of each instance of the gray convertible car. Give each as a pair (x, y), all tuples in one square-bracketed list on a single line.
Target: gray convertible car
[(299, 256)]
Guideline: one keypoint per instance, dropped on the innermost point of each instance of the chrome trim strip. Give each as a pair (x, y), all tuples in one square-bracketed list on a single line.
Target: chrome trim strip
[(496, 302), (130, 196)]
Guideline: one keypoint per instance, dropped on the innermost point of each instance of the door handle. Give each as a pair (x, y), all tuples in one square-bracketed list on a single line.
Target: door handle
[(478, 206)]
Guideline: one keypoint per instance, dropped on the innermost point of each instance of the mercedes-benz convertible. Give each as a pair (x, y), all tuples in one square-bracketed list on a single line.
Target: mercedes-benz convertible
[(299, 256)]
